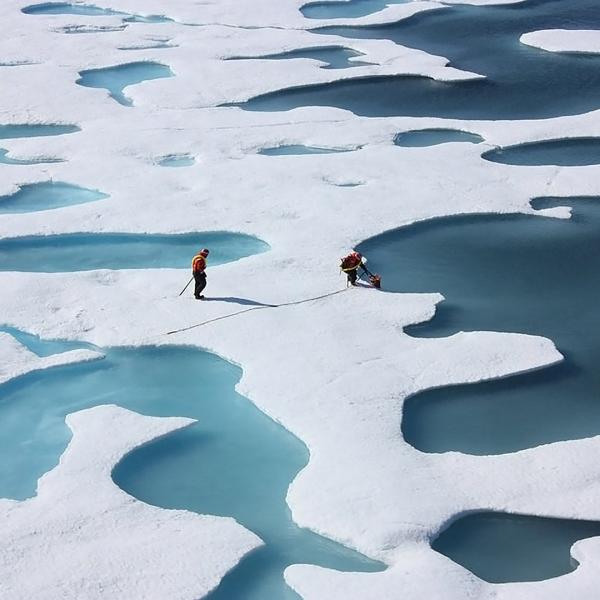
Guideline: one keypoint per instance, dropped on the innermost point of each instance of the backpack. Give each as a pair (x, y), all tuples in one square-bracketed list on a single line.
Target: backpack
[(350, 261)]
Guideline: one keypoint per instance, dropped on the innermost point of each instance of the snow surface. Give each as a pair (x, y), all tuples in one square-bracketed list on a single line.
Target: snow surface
[(343, 365), (564, 40)]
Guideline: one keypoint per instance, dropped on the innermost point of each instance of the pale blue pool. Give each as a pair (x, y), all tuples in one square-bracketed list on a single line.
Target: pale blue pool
[(297, 149), (8, 132), (116, 79), (66, 8), (40, 346), (46, 195), (27, 130), (177, 160), (89, 10), (234, 461), (89, 251)]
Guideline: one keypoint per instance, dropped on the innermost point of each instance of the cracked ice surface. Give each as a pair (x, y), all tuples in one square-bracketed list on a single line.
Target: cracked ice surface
[(364, 485)]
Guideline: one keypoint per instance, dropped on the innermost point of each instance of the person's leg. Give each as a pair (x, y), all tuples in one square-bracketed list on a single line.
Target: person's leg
[(352, 277), (203, 283), (200, 279)]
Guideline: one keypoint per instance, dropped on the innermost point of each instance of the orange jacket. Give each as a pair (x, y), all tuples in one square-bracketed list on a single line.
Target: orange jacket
[(198, 264)]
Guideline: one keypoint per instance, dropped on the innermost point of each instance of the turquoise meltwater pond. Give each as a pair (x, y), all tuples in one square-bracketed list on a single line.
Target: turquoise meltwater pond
[(90, 251), (234, 461)]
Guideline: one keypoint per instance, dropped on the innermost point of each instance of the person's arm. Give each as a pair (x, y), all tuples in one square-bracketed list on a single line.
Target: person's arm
[(363, 262)]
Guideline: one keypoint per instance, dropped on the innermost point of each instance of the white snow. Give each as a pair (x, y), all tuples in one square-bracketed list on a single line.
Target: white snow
[(564, 40), (334, 371)]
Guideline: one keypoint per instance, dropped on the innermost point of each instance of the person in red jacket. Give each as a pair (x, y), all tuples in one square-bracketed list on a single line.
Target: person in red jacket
[(350, 265), (199, 272)]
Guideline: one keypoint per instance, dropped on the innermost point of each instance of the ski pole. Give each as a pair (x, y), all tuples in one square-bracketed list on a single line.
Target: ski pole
[(366, 270), (186, 286)]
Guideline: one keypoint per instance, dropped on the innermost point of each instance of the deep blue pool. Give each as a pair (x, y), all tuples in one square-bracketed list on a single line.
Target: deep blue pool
[(563, 152), (501, 548), (431, 137), (514, 273), (522, 82), (339, 10)]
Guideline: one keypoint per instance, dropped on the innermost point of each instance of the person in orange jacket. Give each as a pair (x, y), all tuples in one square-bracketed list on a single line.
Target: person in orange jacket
[(350, 265), (199, 272)]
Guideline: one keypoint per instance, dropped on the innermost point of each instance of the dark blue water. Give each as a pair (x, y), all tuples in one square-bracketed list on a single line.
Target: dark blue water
[(522, 82), (335, 57), (235, 461), (88, 251), (46, 195), (502, 548), (431, 137), (513, 273), (116, 79), (340, 10), (296, 149), (563, 152)]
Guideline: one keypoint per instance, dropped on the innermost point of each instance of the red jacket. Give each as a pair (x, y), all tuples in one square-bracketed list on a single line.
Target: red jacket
[(351, 262)]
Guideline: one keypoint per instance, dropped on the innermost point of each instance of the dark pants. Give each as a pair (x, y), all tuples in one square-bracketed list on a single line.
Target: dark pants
[(200, 279), (352, 276)]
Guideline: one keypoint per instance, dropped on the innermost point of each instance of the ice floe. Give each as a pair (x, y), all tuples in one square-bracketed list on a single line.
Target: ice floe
[(333, 370), (564, 40)]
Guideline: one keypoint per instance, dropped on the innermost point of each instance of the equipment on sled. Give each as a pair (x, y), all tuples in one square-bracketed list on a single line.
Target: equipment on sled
[(374, 279)]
